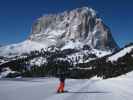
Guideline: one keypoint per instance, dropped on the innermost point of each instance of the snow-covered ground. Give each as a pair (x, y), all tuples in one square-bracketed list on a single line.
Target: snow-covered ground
[(120, 88), (120, 54), (20, 48), (6, 71)]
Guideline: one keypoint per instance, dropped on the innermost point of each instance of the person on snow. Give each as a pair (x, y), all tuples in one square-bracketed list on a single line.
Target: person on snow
[(62, 83), (62, 73)]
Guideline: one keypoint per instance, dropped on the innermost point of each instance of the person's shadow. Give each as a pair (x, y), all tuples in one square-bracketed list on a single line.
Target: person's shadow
[(89, 92)]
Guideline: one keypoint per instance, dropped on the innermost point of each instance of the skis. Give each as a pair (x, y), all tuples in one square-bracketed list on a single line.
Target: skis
[(63, 91)]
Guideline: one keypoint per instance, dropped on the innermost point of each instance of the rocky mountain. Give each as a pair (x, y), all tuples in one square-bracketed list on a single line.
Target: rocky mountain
[(71, 39), (68, 30), (73, 29)]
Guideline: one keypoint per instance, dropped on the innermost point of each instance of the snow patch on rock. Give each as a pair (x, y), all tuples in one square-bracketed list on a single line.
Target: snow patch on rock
[(38, 61)]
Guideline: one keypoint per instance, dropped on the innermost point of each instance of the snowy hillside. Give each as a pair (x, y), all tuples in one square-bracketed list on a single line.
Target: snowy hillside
[(20, 48), (121, 53), (5, 72), (119, 88), (83, 63)]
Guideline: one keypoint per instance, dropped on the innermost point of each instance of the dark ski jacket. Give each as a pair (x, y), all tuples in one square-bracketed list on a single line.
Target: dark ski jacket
[(62, 77)]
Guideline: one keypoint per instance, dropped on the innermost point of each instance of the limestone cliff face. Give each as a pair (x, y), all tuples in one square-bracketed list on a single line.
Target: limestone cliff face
[(75, 29)]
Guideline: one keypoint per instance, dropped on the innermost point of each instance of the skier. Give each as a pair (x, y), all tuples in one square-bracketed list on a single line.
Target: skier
[(62, 83), (62, 74)]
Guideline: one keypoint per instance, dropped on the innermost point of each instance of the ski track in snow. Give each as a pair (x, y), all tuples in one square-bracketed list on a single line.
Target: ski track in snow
[(119, 88)]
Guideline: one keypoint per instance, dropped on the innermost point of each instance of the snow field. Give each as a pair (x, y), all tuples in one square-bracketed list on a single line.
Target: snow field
[(119, 88)]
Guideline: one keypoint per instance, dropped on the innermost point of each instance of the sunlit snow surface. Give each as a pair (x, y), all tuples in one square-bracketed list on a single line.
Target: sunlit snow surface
[(19, 48), (120, 54), (120, 88), (6, 72)]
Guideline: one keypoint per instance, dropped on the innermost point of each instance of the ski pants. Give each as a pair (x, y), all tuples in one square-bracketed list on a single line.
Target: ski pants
[(61, 87)]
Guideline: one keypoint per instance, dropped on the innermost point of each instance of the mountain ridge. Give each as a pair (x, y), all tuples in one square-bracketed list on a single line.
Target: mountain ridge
[(68, 30), (78, 27)]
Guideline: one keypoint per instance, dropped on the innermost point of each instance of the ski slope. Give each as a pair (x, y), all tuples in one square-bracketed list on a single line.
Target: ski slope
[(120, 88)]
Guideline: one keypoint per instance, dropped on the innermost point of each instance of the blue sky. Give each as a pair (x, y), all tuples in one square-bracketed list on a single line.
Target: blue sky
[(17, 16)]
